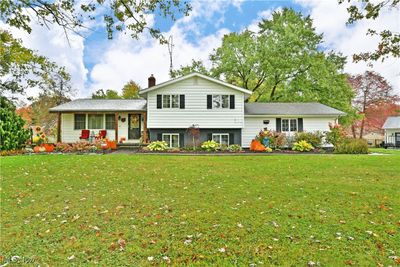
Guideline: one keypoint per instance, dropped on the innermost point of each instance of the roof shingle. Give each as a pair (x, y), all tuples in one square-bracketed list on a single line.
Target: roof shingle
[(102, 105), (392, 123), (290, 109)]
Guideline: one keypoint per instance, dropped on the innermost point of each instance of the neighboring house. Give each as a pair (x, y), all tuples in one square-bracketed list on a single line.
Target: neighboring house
[(392, 131), (373, 139), (168, 109)]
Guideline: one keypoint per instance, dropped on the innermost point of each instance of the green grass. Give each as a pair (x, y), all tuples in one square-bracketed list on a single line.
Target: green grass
[(385, 151), (264, 210)]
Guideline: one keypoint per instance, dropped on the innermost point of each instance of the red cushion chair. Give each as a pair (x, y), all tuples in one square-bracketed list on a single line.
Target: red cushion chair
[(103, 133), (84, 134)]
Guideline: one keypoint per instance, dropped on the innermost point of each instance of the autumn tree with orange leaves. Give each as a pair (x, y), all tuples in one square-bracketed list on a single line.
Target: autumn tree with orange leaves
[(372, 93)]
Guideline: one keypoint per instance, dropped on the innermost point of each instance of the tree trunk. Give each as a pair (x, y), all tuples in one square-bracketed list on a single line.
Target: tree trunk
[(362, 128), (353, 130)]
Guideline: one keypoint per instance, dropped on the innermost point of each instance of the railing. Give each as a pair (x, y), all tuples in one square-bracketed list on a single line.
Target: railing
[(391, 141)]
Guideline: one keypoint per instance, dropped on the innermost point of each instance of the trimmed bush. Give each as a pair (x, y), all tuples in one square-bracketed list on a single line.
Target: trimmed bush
[(158, 146), (351, 146), (315, 139), (210, 146), (302, 146)]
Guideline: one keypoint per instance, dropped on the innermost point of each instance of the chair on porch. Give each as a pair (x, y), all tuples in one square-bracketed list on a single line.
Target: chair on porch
[(102, 134), (84, 134)]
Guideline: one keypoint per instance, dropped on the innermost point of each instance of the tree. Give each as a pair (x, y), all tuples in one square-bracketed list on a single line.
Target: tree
[(40, 110), (389, 44), (376, 116), (25, 112), (239, 60), (371, 91), (130, 16), (195, 66), (13, 135), (131, 90), (108, 94), (22, 68)]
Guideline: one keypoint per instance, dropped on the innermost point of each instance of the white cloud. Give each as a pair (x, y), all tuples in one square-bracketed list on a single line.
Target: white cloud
[(126, 59), (53, 44), (330, 19)]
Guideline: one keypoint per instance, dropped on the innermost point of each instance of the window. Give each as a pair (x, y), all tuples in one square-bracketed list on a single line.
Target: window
[(171, 139), (110, 121), (170, 101), (222, 139), (79, 121), (95, 121), (220, 101), (289, 125)]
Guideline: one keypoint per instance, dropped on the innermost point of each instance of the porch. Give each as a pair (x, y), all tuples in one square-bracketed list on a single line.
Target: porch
[(123, 127)]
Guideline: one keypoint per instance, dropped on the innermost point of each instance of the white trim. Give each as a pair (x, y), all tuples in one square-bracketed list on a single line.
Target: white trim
[(291, 116), (289, 126), (193, 74), (220, 137), (170, 134), (170, 101), (220, 98)]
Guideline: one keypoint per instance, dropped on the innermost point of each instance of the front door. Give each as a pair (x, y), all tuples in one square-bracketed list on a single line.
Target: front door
[(134, 121), (397, 139)]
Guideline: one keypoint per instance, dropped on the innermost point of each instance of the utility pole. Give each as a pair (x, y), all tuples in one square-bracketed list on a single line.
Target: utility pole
[(170, 49)]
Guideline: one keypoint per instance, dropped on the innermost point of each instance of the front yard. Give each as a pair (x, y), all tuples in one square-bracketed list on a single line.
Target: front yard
[(299, 210)]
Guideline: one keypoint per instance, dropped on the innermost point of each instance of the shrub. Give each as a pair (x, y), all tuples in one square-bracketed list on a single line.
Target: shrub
[(302, 146), (234, 148), (268, 150), (315, 139), (351, 146), (63, 147), (158, 146), (210, 145), (12, 152), (335, 134), (276, 139), (13, 135)]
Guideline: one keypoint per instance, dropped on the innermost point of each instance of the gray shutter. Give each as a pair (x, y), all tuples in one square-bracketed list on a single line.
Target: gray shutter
[(231, 138), (209, 136), (209, 101), (159, 137), (232, 101), (181, 140), (300, 124), (182, 101), (278, 125), (159, 101)]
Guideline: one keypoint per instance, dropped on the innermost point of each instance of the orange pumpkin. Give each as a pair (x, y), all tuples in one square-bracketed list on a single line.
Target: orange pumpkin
[(36, 149), (49, 147), (256, 146), (112, 144)]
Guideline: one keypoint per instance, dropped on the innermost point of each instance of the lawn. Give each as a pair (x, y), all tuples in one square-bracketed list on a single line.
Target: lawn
[(116, 210)]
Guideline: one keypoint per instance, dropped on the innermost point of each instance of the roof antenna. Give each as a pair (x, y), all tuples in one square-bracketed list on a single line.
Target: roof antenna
[(170, 48)]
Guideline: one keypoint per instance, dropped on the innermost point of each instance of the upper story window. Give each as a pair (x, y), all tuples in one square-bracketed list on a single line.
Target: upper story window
[(170, 101), (220, 101), (289, 125)]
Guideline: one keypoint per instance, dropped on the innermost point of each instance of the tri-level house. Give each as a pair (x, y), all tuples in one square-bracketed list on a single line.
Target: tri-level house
[(168, 109)]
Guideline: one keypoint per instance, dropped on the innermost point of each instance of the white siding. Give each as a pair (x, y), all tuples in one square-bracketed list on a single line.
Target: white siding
[(390, 135), (69, 135), (253, 125), (195, 90)]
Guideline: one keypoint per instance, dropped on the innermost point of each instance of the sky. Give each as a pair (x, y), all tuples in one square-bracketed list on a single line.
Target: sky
[(95, 62)]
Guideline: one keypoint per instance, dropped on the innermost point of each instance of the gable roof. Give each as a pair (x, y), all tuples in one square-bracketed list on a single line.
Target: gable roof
[(195, 74), (392, 123), (101, 105), (290, 109)]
